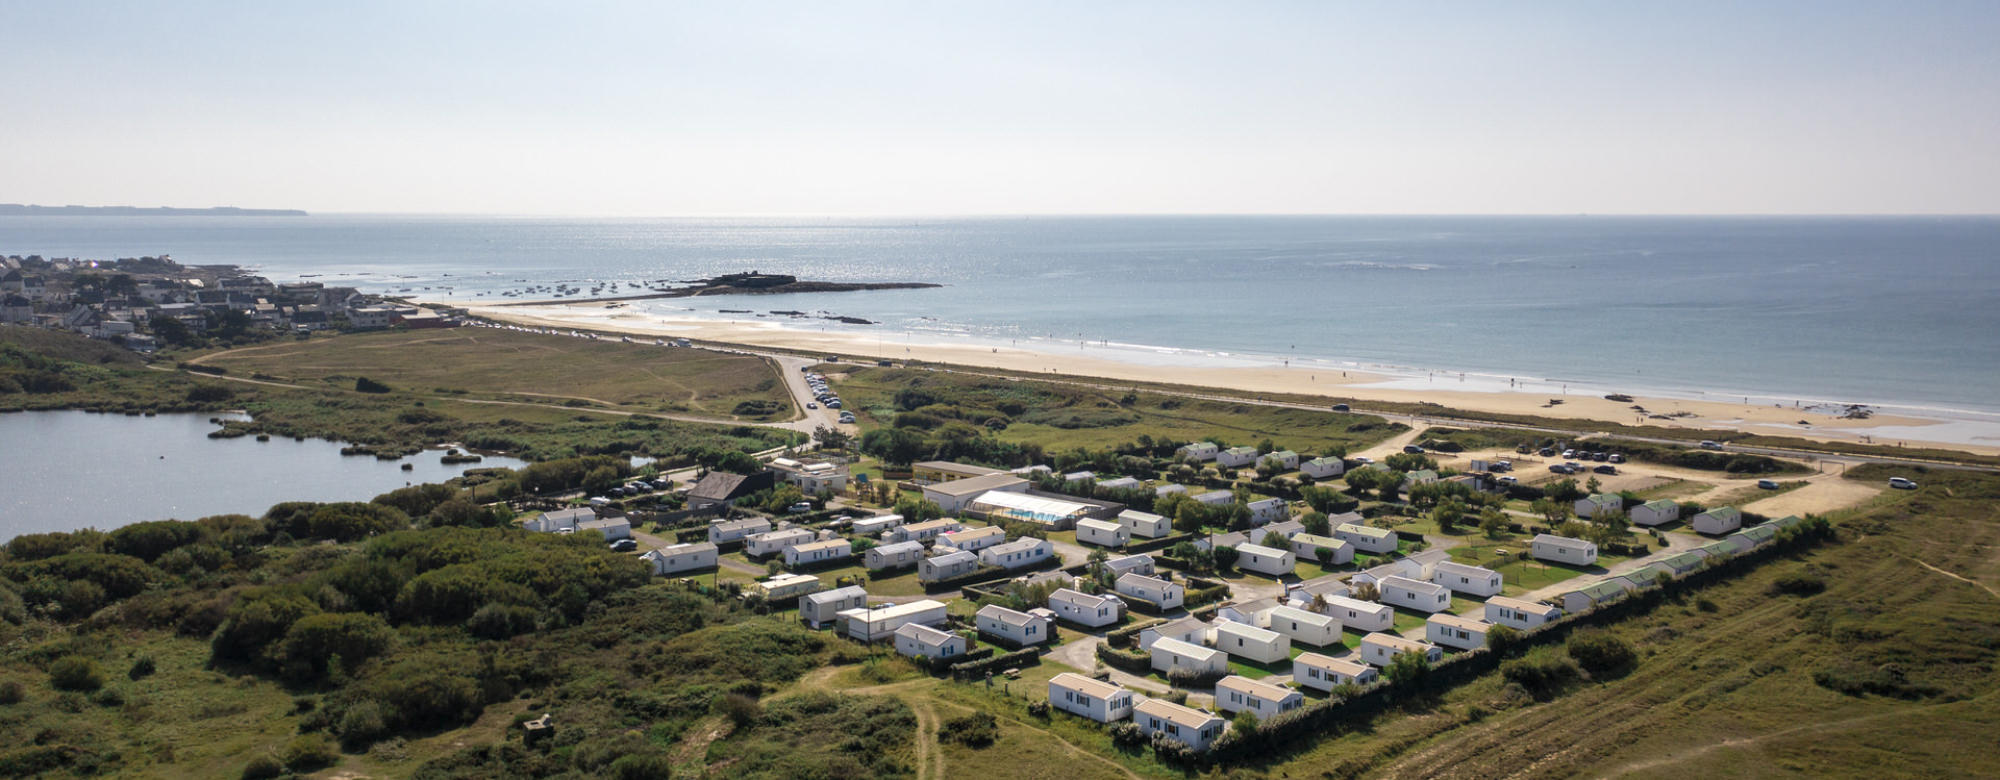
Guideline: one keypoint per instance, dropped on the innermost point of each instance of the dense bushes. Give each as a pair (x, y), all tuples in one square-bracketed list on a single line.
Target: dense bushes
[(1134, 661), (976, 730), (1601, 653), (1543, 673), (75, 673), (315, 641)]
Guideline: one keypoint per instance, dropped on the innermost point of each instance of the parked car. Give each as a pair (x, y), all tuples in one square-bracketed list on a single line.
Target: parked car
[(1606, 469), (1501, 465), (1547, 452), (1901, 483), (1767, 484), (1560, 468), (1340, 407), (1413, 449), (1600, 456), (799, 507), (1363, 459), (1511, 480), (624, 545), (1710, 444), (1569, 453), (1617, 458), (811, 405)]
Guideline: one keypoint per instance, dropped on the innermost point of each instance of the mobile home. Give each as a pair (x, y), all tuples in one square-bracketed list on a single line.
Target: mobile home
[(1380, 648), (1302, 626), (1518, 613), (1414, 594), (1454, 631), (1257, 644), (1094, 699), (1470, 580), (1085, 609), (1265, 560), (1365, 538), (1562, 549), (1103, 533), (1236, 692), (1324, 673)]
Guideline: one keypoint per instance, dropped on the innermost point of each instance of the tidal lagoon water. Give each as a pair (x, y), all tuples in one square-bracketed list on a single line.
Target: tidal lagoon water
[(61, 471)]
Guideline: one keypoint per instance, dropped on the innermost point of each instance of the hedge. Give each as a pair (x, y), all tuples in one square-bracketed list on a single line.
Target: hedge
[(974, 670), (1133, 661), (1125, 636), (982, 574), (936, 666), (1161, 543)]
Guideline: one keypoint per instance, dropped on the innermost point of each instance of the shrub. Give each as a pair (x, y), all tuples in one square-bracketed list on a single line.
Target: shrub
[(1541, 674), (1039, 709), (315, 640), (976, 730), (12, 692), (366, 385), (141, 668), (308, 752), (76, 673), (1600, 653), (361, 725), (1799, 583), (1127, 736), (643, 766), (1193, 678), (263, 768), (500, 621), (740, 709)]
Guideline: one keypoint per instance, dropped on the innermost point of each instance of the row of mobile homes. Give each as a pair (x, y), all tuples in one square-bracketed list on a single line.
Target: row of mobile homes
[(1194, 728), (1103, 533), (1453, 631), (676, 558), (1013, 627), (1265, 560), (1085, 609), (893, 556), (1414, 594), (1237, 693), (1518, 613), (819, 553), (1307, 547), (943, 567), (1170, 654), (1470, 580), (1381, 648), (1302, 626), (1018, 554), (920, 641), (1562, 549), (1145, 525), (874, 624), (1324, 673), (1160, 594), (973, 539), (1368, 539), (819, 609), (1656, 512), (1094, 699), (1246, 641), (1586, 598)]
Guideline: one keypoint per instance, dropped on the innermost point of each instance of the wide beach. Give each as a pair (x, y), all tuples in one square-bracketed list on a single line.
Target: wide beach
[(1821, 422)]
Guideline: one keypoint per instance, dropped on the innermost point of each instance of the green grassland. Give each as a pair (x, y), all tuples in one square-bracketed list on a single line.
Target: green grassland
[(494, 364)]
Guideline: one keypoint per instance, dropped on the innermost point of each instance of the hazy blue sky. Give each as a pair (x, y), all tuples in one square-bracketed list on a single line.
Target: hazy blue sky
[(1016, 107)]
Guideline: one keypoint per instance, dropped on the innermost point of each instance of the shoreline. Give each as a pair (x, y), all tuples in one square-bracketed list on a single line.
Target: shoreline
[(1308, 377)]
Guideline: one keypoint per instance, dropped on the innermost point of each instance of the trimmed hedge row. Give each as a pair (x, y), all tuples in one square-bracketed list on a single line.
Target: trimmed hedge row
[(974, 670), (1133, 661), (1126, 636)]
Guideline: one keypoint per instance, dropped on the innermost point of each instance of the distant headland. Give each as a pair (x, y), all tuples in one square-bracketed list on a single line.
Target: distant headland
[(20, 210)]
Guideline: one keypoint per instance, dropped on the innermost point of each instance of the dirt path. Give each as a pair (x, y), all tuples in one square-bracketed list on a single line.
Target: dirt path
[(1961, 578), (930, 760)]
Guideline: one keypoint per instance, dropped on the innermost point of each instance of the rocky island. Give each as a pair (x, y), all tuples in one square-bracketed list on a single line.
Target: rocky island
[(748, 283)]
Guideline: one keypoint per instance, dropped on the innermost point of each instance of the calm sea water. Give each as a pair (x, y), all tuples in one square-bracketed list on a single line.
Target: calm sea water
[(1902, 311), (68, 470)]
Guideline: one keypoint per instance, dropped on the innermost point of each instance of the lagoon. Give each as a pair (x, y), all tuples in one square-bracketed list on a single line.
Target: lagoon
[(66, 470)]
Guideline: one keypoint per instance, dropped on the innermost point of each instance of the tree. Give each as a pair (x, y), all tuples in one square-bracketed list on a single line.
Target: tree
[(1563, 490), (1367, 592), (1493, 522), (833, 438), (1448, 514), (917, 510), (1225, 558), (1266, 447), (171, 331), (315, 641), (1275, 540), (1593, 486), (1316, 523), (1408, 668), (1556, 512), (1409, 461)]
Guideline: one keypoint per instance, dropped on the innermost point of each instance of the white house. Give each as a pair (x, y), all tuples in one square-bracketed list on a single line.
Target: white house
[(1085, 609), (1518, 613), (675, 558), (947, 566), (1264, 560), (1017, 554), (1163, 595), (1145, 525), (1188, 629), (1236, 457), (818, 609), (1414, 594), (1301, 625), (1596, 504), (775, 542), (1380, 648), (1094, 699), (872, 625), (1453, 631), (1236, 692), (1659, 511), (1361, 615), (1247, 641), (1283, 460), (874, 526), (1324, 673), (1307, 547), (893, 556), (922, 532), (1366, 538), (1323, 468), (736, 530), (1021, 629), (560, 520), (973, 539), (1194, 728), (1268, 510), (1137, 563), (1198, 452), (1562, 549), (1103, 533), (818, 553), (612, 528), (1215, 497), (1718, 521), (918, 641), (784, 586), (1463, 578), (1170, 654)]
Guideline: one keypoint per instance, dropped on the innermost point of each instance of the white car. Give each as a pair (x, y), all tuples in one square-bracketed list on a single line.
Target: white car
[(1900, 483)]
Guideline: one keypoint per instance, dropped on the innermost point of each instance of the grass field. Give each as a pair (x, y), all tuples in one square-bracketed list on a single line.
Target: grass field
[(492, 364)]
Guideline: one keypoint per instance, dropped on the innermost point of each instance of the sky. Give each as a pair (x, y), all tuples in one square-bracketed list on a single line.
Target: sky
[(658, 109)]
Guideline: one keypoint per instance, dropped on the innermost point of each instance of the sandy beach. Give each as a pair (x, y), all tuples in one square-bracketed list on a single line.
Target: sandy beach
[(1074, 360)]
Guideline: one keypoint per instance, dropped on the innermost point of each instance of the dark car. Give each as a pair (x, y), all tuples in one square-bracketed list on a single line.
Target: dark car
[(1547, 452), (1413, 449), (1340, 407), (624, 545), (1600, 456), (1607, 469), (1767, 484)]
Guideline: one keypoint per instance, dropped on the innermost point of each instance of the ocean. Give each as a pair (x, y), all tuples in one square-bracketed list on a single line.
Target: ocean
[(1898, 312)]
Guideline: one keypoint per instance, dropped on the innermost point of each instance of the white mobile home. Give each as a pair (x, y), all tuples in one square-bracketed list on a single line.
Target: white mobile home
[(1085, 609), (973, 539), (873, 625), (1368, 539), (1361, 615), (1282, 460), (560, 520), (1656, 512), (1583, 599), (1145, 525), (1161, 594), (818, 609), (1307, 547), (1562, 549), (1454, 631), (1236, 692), (1215, 497), (783, 586), (893, 556), (1019, 629), (1194, 728), (922, 532), (1264, 560), (1323, 468), (1304, 626), (1268, 510), (1120, 483), (947, 566), (919, 641), (1187, 629), (1017, 554), (1257, 644), (1198, 452), (1324, 673), (1380, 648), (1470, 580), (1414, 594), (774, 542), (736, 530), (1236, 457), (1718, 521), (1094, 699), (1518, 613), (1139, 563), (818, 553), (1170, 654), (611, 528), (874, 526), (676, 558), (1103, 533), (1596, 504)]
